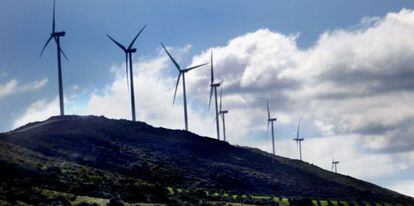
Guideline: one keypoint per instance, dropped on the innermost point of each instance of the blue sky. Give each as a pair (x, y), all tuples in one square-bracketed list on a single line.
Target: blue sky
[(190, 29)]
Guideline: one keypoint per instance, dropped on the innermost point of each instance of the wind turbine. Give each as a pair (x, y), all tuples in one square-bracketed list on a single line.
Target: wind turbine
[(56, 36), (128, 58), (222, 114), (182, 73), (213, 87), (271, 122), (334, 165), (299, 141)]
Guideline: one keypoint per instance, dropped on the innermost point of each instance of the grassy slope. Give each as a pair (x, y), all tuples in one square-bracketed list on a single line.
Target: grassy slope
[(97, 157)]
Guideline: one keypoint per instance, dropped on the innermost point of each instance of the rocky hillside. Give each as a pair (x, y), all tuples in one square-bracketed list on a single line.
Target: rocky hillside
[(99, 157)]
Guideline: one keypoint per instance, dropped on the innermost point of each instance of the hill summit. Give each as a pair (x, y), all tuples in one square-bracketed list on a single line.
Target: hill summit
[(96, 157)]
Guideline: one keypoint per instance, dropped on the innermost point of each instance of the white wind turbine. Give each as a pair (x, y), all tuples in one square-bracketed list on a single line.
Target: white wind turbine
[(299, 141), (271, 122), (182, 73)]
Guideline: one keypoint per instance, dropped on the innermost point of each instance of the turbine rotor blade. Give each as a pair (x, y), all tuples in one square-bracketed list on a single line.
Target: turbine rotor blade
[(268, 110), (267, 129), (194, 67), (117, 43), (212, 70), (221, 96), (211, 95), (44, 47), (63, 53), (53, 23), (61, 50), (133, 41), (126, 70), (297, 132), (172, 59), (176, 86)]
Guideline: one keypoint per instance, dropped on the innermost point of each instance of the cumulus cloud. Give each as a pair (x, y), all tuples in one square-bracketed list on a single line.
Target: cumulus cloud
[(405, 187), (13, 87), (356, 80), (353, 160), (38, 111), (32, 86), (8, 88)]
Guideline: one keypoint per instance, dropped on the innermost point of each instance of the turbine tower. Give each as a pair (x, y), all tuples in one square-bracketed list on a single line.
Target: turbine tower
[(213, 87), (222, 114), (299, 141), (271, 122), (182, 73), (128, 58), (334, 166), (56, 36)]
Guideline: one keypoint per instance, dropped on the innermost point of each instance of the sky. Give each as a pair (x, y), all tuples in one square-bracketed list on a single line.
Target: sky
[(345, 68)]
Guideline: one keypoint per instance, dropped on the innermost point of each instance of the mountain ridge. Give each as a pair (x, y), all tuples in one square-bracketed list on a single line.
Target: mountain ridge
[(118, 155)]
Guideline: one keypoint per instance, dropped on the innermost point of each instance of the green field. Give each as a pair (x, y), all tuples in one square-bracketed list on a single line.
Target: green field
[(193, 197)]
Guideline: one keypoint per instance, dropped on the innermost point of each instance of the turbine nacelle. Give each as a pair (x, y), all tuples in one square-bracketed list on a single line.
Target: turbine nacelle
[(215, 85), (299, 139), (58, 34), (224, 112), (133, 50), (272, 119)]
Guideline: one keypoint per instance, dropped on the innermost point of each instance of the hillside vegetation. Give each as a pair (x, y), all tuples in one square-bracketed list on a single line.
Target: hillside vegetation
[(79, 158)]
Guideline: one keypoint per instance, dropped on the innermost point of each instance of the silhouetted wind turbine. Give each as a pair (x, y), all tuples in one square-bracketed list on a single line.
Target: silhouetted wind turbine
[(222, 114), (271, 122), (299, 141), (182, 73), (213, 87), (128, 58), (334, 166), (56, 36)]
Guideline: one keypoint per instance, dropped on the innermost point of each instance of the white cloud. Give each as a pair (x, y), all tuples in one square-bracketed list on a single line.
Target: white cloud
[(357, 80), (32, 86), (38, 111), (8, 88), (404, 187), (13, 86), (353, 160)]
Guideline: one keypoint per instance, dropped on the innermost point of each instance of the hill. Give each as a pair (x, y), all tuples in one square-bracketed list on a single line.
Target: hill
[(133, 161)]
